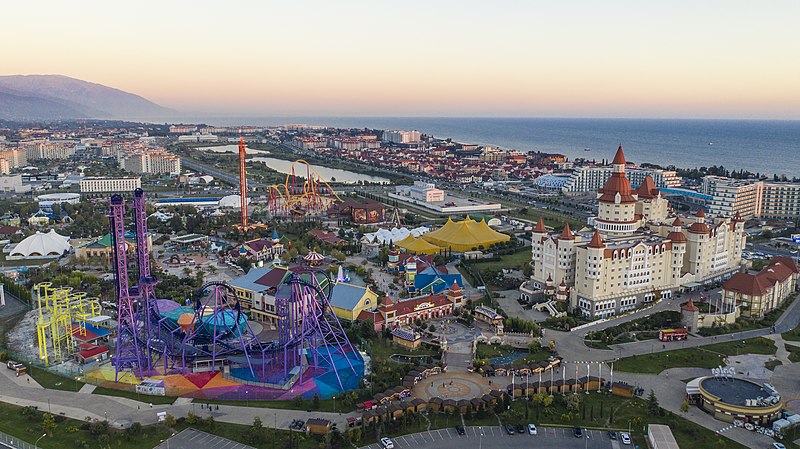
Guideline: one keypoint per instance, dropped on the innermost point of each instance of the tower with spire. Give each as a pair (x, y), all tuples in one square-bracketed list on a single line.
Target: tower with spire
[(616, 214)]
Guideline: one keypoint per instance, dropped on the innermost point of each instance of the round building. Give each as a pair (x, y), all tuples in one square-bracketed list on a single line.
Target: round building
[(730, 398)]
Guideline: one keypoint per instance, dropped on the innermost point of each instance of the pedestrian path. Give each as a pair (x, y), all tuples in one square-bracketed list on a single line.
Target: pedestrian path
[(87, 389)]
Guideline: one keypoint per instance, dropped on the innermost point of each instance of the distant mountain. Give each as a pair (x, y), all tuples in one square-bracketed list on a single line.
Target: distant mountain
[(47, 97)]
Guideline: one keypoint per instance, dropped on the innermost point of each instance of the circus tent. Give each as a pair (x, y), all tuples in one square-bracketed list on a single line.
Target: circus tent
[(417, 246), (465, 235)]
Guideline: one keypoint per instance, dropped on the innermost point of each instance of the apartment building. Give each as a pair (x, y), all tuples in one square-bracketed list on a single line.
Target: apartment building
[(752, 198), (402, 136), (152, 162), (590, 179), (108, 185)]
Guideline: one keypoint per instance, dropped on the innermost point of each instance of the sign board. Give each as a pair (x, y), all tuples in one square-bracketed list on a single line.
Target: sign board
[(721, 371), (423, 305), (796, 239)]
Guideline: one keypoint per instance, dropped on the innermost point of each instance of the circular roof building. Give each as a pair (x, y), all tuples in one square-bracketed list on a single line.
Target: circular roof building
[(42, 245), (731, 398)]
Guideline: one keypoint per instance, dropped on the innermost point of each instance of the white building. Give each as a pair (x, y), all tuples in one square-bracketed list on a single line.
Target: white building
[(752, 198), (211, 138), (422, 191), (590, 179), (47, 149), (47, 201), (402, 136), (104, 185), (13, 183)]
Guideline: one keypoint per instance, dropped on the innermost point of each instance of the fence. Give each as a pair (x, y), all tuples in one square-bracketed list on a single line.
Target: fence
[(7, 441)]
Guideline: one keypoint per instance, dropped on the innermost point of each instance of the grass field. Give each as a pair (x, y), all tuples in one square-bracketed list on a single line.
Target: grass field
[(147, 399), (26, 424), (53, 381), (708, 356)]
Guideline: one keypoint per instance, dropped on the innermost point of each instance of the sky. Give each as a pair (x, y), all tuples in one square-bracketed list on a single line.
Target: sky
[(677, 59)]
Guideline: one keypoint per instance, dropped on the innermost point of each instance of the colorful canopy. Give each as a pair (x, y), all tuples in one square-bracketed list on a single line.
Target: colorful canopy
[(465, 235), (417, 246)]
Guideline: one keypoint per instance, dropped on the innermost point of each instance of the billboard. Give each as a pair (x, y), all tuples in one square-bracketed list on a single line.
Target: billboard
[(796, 239)]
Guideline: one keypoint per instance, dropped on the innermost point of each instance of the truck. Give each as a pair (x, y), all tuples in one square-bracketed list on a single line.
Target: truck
[(19, 368)]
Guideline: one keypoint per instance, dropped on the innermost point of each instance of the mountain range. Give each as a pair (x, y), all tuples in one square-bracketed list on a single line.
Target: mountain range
[(54, 97)]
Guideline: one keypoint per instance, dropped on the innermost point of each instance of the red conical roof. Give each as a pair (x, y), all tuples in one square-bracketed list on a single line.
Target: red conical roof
[(677, 222), (597, 241), (700, 213), (566, 234), (562, 284), (549, 278), (540, 226), (677, 237), (619, 158), (455, 287), (648, 189)]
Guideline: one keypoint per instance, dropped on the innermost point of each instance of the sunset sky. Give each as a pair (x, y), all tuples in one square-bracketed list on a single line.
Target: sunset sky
[(736, 59)]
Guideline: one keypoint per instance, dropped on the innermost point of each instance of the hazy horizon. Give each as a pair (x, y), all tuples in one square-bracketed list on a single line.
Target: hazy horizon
[(511, 59)]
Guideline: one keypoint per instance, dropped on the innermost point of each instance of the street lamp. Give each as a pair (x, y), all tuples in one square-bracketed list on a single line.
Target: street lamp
[(36, 444), (334, 404), (480, 438)]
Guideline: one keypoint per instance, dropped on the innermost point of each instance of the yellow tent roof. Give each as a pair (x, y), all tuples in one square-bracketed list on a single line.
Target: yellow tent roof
[(465, 235), (417, 245)]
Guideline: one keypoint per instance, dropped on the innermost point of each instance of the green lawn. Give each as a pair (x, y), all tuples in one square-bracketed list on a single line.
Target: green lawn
[(159, 400), (792, 335), (53, 381), (325, 405), (708, 356), (26, 424), (794, 353)]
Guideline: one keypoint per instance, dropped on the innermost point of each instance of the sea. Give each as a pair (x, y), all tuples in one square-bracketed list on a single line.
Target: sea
[(761, 146)]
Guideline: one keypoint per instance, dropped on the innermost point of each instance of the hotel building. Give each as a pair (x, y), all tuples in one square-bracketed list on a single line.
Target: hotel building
[(635, 252)]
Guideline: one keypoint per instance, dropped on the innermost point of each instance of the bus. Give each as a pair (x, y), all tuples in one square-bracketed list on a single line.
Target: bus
[(673, 334)]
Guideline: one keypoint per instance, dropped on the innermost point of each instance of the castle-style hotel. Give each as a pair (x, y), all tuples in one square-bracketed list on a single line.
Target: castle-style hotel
[(634, 251)]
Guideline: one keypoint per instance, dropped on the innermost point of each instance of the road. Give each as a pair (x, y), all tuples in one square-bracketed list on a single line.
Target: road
[(494, 437), (217, 173)]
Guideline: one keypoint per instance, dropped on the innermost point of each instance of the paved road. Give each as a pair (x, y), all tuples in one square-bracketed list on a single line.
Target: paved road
[(217, 173), (494, 437)]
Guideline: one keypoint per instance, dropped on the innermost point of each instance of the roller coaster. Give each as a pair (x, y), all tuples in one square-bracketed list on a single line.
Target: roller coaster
[(212, 331), (308, 196)]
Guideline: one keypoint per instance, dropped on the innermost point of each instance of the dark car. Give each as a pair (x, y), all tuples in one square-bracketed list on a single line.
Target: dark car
[(509, 429), (578, 433), (460, 430), (520, 429), (612, 434)]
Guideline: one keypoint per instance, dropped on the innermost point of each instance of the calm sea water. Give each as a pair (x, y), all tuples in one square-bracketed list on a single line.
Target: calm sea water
[(767, 147)]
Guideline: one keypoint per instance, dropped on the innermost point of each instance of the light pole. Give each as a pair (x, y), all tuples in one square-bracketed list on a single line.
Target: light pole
[(480, 438), (334, 404), (36, 444)]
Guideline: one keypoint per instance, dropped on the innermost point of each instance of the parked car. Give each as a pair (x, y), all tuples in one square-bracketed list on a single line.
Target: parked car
[(626, 438), (509, 429), (577, 432), (778, 446), (612, 434), (460, 430), (387, 443), (532, 429)]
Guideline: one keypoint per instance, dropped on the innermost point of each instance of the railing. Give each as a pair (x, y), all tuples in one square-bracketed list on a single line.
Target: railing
[(7, 441)]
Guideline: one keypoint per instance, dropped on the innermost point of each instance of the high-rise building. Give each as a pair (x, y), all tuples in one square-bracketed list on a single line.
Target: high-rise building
[(752, 198), (402, 136), (590, 179), (151, 162), (15, 157), (47, 149)]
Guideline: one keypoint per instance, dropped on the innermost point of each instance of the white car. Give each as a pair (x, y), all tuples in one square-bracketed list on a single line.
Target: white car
[(387, 443), (532, 429), (778, 446), (626, 438)]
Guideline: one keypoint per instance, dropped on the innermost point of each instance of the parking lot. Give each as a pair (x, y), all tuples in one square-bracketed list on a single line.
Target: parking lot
[(496, 437), (196, 439)]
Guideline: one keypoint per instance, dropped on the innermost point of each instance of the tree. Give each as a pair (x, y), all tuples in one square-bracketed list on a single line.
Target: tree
[(169, 420), (685, 406), (652, 404), (48, 424), (573, 402), (315, 402)]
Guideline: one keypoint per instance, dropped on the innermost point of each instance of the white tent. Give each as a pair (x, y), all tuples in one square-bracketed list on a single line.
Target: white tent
[(384, 236), (42, 244)]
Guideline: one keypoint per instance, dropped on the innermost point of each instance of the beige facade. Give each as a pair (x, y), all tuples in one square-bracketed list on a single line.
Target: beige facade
[(780, 200), (633, 255), (758, 294), (152, 162), (751, 198)]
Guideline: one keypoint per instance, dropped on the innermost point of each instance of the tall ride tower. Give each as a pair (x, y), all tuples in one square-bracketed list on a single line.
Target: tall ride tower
[(243, 182)]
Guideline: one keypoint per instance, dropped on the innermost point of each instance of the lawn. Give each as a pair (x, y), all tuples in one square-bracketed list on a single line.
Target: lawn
[(485, 351), (325, 405), (27, 424), (148, 399), (792, 335), (794, 353), (53, 381), (708, 356)]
